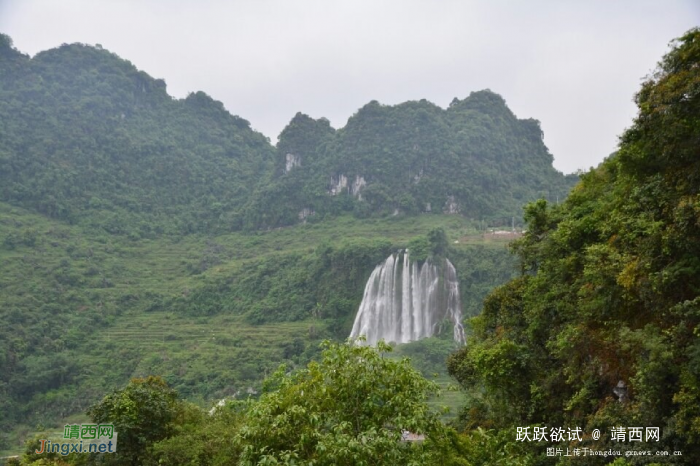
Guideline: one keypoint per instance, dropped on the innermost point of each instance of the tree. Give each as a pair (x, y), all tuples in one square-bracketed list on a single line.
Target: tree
[(438, 242), (142, 413), (349, 409), (602, 327)]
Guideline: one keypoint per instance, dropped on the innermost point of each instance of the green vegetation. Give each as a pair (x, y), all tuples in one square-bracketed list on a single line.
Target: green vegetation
[(132, 244), (350, 408), (83, 311), (429, 357), (601, 329), (414, 157), (143, 413), (138, 233), (89, 139)]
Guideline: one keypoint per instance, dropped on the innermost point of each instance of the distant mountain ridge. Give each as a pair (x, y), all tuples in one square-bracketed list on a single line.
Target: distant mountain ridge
[(475, 158), (86, 137)]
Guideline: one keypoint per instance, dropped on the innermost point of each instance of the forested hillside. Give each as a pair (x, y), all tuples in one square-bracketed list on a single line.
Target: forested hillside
[(83, 312), (602, 328), (87, 138), (475, 158), (140, 234)]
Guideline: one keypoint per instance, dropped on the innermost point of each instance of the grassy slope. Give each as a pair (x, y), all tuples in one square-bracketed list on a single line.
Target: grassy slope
[(100, 303)]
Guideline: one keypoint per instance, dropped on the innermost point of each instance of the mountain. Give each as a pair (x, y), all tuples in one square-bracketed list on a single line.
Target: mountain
[(86, 137), (112, 269), (475, 158), (138, 233)]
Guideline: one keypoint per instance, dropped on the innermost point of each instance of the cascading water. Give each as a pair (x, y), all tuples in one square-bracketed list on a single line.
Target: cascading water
[(404, 302)]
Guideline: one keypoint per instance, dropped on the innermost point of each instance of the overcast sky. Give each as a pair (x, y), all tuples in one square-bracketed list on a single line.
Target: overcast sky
[(573, 65)]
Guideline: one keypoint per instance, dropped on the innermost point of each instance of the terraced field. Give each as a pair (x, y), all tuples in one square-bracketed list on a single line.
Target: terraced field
[(84, 311)]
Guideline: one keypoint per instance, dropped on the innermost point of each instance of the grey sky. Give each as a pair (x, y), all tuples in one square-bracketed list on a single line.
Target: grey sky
[(574, 66)]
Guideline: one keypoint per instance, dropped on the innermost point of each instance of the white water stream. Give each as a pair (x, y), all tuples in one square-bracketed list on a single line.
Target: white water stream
[(404, 302)]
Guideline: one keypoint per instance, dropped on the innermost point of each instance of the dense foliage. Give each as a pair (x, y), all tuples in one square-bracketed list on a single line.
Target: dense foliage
[(87, 138), (142, 413), (353, 407), (117, 259), (602, 329), (475, 158), (139, 235), (83, 311)]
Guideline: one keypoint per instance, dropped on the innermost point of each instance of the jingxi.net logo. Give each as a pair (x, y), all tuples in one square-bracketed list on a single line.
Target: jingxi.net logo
[(83, 438)]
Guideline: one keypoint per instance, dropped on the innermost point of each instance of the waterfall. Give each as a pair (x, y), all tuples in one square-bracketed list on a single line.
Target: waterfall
[(404, 302)]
